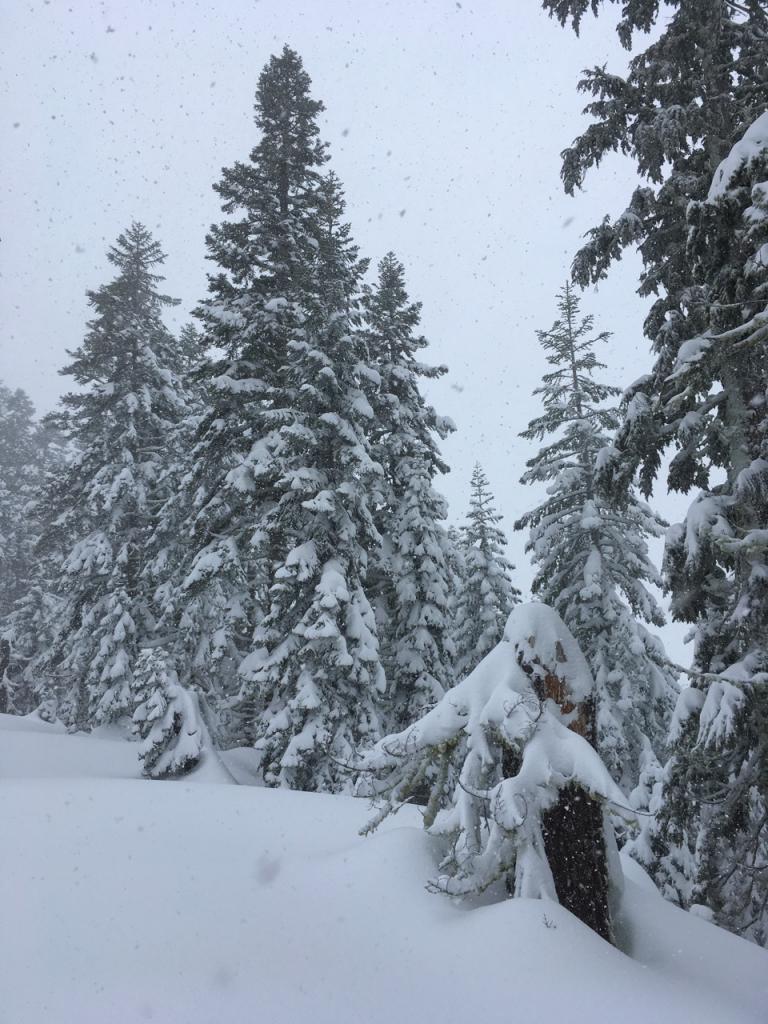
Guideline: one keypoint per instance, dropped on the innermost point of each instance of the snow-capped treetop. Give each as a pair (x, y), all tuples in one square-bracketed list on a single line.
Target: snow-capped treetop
[(502, 695), (403, 416), (166, 717)]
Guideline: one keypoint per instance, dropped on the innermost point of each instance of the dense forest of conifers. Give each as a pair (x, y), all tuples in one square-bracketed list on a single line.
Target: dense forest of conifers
[(234, 536)]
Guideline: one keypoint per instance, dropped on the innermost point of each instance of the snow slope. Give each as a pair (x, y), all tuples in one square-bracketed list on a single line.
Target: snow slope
[(193, 902)]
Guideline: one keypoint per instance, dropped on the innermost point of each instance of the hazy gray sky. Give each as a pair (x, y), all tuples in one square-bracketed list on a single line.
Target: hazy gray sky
[(445, 122)]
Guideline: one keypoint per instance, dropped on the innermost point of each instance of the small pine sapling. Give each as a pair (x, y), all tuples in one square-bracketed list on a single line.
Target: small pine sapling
[(167, 718), (486, 594)]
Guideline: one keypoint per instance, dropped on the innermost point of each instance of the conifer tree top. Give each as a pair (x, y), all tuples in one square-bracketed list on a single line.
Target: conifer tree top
[(282, 96), (569, 392), (286, 115)]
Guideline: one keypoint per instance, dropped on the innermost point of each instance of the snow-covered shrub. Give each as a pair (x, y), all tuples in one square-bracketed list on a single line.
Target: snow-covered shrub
[(516, 789), (167, 718), (47, 711)]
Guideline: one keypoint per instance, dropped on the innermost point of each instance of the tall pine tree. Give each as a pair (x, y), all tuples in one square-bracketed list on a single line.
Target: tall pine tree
[(315, 674), (265, 253), (280, 525), (119, 421), (591, 556), (411, 578), (709, 842), (683, 114)]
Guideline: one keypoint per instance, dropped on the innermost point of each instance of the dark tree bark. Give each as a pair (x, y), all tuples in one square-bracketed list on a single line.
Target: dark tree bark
[(575, 845), (574, 836)]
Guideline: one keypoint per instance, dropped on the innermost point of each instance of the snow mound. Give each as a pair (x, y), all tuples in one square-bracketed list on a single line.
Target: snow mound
[(127, 900)]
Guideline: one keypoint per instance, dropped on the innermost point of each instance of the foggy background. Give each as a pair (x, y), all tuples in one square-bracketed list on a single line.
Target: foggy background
[(445, 122)]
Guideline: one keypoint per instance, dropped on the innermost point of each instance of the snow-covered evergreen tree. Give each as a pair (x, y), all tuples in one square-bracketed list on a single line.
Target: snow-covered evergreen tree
[(168, 548), (419, 621), (24, 455), (516, 791), (315, 674), (128, 404), (487, 593), (709, 843), (684, 113), (191, 350), (19, 480), (591, 556), (456, 576), (8, 686), (685, 100), (32, 624), (410, 583), (167, 718), (265, 253)]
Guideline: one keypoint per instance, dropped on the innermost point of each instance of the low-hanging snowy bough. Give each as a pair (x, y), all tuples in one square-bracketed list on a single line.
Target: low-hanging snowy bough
[(515, 787)]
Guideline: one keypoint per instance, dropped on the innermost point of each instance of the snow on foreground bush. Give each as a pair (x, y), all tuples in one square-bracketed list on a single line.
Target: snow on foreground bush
[(514, 785), (167, 719)]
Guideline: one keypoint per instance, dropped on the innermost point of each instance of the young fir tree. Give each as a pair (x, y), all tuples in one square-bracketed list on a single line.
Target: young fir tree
[(128, 403), (315, 674), (167, 718), (191, 351), (410, 581), (456, 577), (517, 793), (591, 556), (487, 593), (686, 102), (709, 842), (265, 253)]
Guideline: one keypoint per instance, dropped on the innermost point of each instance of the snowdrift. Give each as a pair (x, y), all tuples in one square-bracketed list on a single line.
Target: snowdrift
[(197, 901)]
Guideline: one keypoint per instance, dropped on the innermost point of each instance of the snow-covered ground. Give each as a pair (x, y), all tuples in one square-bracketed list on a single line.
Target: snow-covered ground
[(203, 901)]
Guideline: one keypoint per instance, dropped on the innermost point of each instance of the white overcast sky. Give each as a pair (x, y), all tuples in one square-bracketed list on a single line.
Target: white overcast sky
[(445, 122)]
